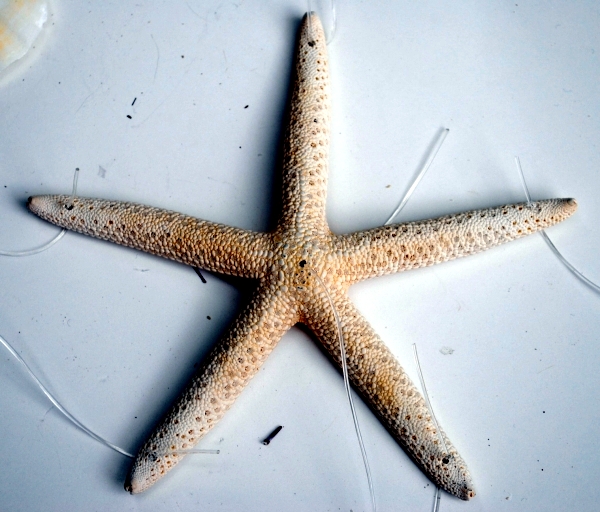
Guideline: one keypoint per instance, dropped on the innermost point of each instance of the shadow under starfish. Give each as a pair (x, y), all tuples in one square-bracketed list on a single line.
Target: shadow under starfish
[(289, 263)]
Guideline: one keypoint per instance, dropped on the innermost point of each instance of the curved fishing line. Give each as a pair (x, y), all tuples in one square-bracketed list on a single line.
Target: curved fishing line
[(438, 492), (47, 245), (361, 444), (330, 32), (437, 497), (546, 238), (58, 405), (70, 416), (432, 154), (42, 248), (427, 401)]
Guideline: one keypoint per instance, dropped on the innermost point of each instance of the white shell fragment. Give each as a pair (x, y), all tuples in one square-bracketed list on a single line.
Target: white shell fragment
[(21, 21)]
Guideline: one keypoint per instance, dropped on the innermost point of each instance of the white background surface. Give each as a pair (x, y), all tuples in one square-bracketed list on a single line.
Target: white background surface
[(115, 333)]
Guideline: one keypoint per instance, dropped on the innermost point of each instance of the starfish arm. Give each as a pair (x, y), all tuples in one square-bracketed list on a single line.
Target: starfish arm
[(215, 387), (174, 236), (306, 142), (401, 247), (376, 374)]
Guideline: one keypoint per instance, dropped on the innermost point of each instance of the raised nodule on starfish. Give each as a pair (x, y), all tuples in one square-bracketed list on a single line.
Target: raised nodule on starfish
[(285, 262)]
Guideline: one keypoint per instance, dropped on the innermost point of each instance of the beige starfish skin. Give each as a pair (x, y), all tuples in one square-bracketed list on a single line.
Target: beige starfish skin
[(286, 262)]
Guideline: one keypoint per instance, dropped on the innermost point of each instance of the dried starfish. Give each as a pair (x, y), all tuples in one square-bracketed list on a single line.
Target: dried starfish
[(286, 262)]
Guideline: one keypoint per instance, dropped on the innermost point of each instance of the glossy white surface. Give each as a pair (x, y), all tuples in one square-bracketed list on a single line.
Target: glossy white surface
[(108, 328)]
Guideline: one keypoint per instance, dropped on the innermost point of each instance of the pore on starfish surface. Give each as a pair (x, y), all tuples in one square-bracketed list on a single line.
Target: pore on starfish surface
[(290, 263)]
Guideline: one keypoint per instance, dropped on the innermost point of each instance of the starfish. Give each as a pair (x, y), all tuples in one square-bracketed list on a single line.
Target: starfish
[(302, 269)]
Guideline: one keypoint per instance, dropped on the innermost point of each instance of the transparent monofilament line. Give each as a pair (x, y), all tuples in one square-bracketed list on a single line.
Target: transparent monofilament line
[(310, 12), (427, 401), (193, 451), (75, 180), (72, 418), (361, 444), (437, 498), (330, 33), (432, 154), (47, 245), (58, 405), (333, 27), (546, 238), (36, 250)]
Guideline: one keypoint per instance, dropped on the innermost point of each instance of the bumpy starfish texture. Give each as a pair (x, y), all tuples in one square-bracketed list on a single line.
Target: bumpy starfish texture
[(286, 263)]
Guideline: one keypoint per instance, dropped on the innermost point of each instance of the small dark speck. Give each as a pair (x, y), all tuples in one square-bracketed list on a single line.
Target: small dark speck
[(240, 147), (543, 412), (133, 102), (128, 117), (246, 106), (136, 417), (182, 56), (208, 317)]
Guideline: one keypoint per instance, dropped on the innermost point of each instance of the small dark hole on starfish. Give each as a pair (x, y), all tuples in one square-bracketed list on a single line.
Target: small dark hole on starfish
[(69, 207), (445, 460), (302, 263)]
